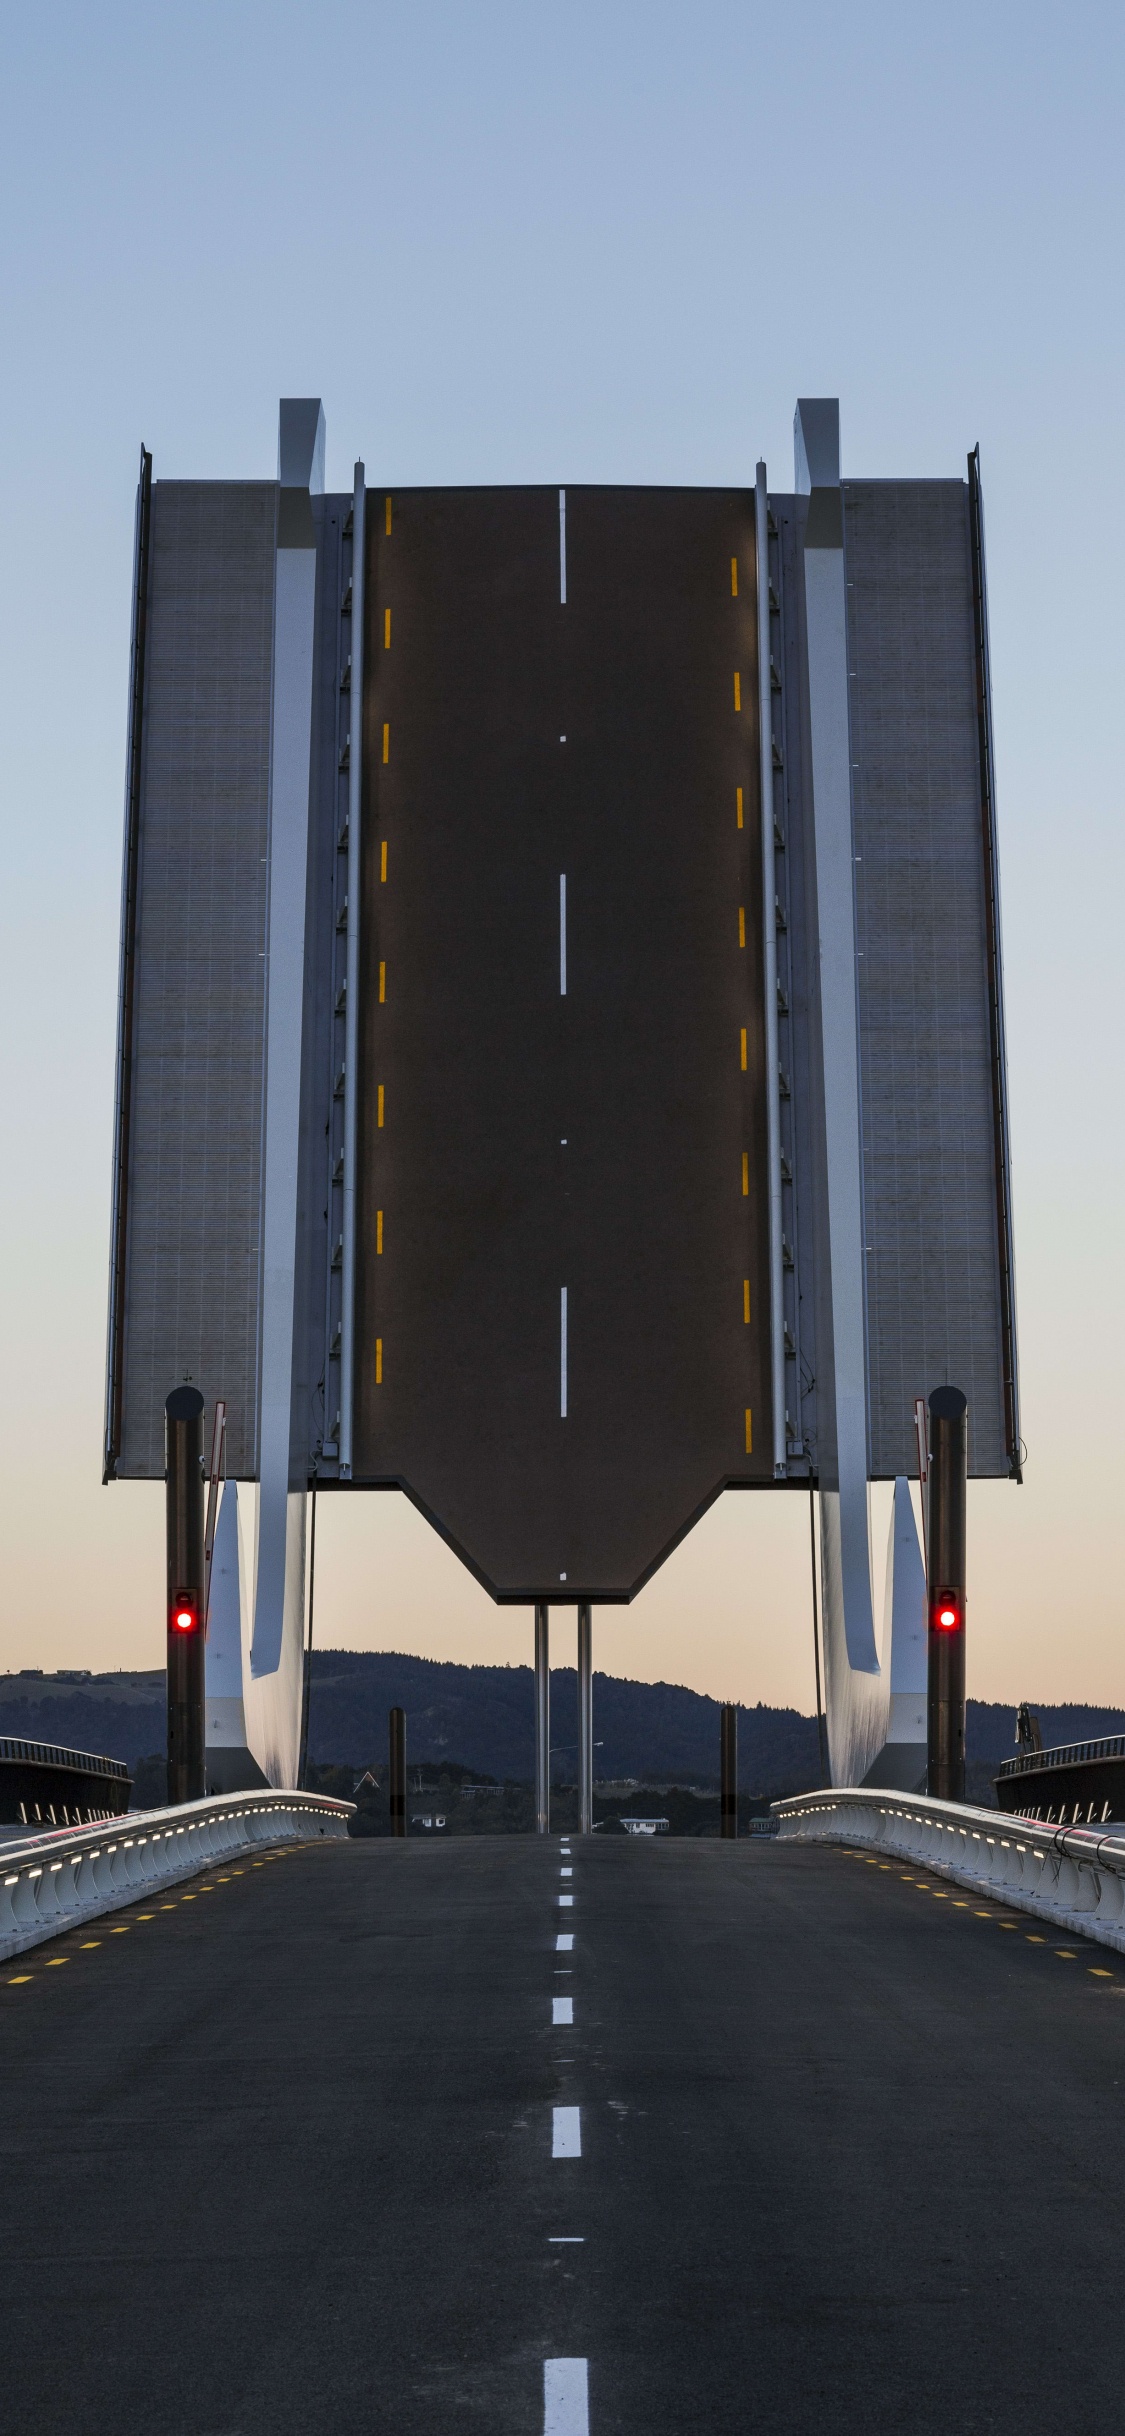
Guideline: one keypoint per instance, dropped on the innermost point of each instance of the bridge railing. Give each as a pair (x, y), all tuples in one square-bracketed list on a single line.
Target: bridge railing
[(50, 1883), (1073, 1877)]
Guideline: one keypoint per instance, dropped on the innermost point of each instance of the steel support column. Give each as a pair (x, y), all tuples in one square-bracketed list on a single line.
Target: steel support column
[(728, 1769), (542, 1720), (397, 1771), (585, 1719), (184, 1508), (945, 1588)]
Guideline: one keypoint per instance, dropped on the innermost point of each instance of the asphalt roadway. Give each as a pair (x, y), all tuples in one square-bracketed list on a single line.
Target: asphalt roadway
[(279, 2153)]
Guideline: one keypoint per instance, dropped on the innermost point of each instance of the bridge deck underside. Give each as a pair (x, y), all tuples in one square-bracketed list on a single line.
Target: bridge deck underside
[(279, 2155)]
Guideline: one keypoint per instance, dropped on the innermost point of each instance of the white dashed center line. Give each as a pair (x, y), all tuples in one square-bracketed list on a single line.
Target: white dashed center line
[(566, 2406), (562, 547), (566, 2237), (566, 1901), (562, 2012), (565, 1943), (566, 1873), (566, 2133)]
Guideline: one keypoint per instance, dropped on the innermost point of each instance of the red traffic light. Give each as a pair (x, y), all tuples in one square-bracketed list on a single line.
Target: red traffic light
[(185, 1613), (948, 1611)]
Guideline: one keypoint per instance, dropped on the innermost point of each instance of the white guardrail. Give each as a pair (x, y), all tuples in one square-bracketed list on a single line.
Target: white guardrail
[(1072, 1876), (50, 1883)]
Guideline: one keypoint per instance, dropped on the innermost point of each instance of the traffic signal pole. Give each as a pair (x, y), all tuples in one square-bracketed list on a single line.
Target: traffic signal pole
[(184, 1508), (945, 1593)]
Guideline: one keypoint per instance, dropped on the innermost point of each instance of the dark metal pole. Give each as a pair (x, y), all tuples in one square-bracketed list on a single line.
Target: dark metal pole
[(542, 1721), (184, 1505), (303, 1768), (397, 1723), (585, 1720), (821, 1730), (728, 1769), (945, 1589)]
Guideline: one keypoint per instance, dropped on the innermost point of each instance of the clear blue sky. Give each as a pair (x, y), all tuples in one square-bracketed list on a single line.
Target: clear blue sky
[(580, 243)]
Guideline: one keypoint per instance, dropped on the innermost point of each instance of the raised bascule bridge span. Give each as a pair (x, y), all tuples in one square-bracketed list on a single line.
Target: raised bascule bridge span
[(561, 1066), (561, 1078)]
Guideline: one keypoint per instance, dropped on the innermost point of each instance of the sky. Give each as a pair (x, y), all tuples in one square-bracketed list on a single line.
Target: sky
[(585, 243)]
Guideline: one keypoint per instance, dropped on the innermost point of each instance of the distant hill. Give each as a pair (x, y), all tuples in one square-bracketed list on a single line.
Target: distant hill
[(482, 1716)]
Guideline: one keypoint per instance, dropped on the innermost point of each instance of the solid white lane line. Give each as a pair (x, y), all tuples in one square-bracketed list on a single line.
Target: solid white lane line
[(562, 547), (562, 934), (562, 2012), (562, 1356), (565, 1943), (566, 2133), (566, 1902), (566, 2401)]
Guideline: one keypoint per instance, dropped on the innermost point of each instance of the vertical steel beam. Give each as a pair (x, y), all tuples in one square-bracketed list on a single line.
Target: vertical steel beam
[(585, 1719), (1003, 1154), (130, 871), (728, 1769), (542, 1720), (184, 1511), (351, 1018), (397, 1724), (769, 967), (945, 1586)]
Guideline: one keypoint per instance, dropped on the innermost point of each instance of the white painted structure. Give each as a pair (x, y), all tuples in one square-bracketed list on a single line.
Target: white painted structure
[(1073, 1877), (857, 1685), (52, 1883), (273, 1691)]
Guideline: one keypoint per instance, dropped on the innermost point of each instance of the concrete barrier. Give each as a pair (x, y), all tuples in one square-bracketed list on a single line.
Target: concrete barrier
[(1073, 1877), (49, 1883)]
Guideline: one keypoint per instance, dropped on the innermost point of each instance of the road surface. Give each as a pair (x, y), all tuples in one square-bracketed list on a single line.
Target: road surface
[(827, 2146)]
